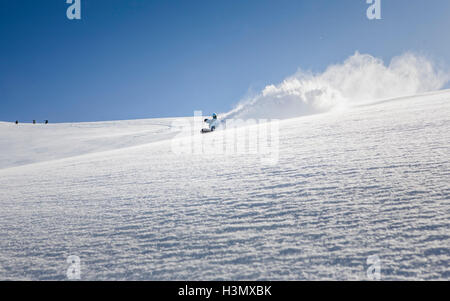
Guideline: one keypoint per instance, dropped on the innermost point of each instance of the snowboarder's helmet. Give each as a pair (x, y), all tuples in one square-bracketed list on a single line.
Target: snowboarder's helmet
[(214, 115)]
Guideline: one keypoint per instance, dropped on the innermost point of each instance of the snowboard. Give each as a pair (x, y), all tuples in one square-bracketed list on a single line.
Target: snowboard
[(204, 131)]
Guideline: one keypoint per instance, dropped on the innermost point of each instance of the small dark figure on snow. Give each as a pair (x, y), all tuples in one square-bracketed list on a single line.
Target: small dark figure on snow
[(34, 121), (46, 122), (17, 121)]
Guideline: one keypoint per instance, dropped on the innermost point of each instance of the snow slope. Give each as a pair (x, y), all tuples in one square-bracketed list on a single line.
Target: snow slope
[(371, 180), (28, 143)]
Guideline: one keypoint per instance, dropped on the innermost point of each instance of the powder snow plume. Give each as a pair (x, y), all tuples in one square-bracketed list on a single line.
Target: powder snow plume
[(361, 77)]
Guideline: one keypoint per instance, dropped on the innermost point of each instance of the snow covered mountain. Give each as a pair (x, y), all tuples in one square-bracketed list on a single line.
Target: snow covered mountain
[(370, 180)]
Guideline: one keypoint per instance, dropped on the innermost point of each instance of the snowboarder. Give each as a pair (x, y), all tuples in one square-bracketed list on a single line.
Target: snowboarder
[(212, 123)]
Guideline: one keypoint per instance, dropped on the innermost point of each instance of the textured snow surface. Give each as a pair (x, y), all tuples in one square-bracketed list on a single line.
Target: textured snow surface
[(373, 180)]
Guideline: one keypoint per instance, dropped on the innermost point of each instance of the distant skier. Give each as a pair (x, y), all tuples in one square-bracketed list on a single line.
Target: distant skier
[(212, 123)]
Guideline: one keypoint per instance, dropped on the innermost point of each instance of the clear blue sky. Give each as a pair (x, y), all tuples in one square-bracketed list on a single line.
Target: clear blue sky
[(130, 59)]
